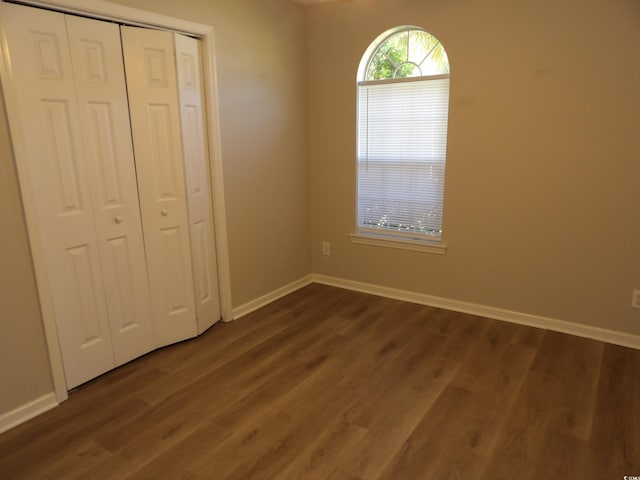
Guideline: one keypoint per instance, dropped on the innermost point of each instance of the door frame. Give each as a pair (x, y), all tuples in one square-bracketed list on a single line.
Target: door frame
[(104, 10)]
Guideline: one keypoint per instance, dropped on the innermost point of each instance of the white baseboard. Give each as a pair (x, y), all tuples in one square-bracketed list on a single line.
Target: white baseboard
[(266, 299), (27, 411), (602, 334)]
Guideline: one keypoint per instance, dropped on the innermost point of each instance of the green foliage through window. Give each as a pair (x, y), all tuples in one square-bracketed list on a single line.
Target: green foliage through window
[(409, 53)]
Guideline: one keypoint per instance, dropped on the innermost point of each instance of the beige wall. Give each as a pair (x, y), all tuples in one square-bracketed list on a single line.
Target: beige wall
[(24, 363), (263, 115), (542, 184)]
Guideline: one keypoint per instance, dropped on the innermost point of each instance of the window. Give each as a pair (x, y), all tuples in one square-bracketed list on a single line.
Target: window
[(403, 103)]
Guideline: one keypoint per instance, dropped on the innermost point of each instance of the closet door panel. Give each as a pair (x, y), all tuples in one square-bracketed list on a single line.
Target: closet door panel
[(59, 184), (196, 161), (96, 54), (155, 120)]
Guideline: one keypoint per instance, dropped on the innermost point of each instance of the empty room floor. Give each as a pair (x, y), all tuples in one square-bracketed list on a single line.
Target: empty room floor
[(331, 384)]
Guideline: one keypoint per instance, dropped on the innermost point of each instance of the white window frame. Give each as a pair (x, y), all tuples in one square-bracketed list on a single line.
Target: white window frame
[(386, 237)]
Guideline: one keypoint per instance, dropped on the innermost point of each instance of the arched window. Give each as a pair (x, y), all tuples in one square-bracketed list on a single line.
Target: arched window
[(403, 106)]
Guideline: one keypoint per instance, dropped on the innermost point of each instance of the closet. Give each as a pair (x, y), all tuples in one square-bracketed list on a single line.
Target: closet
[(117, 168)]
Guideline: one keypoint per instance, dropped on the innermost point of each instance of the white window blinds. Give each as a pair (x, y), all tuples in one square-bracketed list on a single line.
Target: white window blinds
[(402, 141)]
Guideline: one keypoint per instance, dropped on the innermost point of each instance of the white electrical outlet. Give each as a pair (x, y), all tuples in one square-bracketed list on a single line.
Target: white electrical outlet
[(326, 248), (635, 299)]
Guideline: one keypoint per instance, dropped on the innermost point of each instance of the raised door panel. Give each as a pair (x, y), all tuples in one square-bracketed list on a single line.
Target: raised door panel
[(59, 184), (96, 55), (155, 121), (196, 160)]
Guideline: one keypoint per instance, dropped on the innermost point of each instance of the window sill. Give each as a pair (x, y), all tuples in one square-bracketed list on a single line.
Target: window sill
[(413, 245)]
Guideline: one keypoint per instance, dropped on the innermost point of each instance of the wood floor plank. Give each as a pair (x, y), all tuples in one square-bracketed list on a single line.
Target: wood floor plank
[(493, 362), (490, 379), (325, 383), (402, 411), (60, 433), (558, 393), (287, 431), (520, 446), (82, 456), (191, 371), (480, 426), (249, 400), (185, 354), (564, 457), (318, 398), (336, 444), (460, 331), (576, 401), (340, 475), (175, 463), (243, 449), (419, 455), (166, 423), (614, 447)]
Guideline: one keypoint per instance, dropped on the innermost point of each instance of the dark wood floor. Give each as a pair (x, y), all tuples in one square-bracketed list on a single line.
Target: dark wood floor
[(331, 384)]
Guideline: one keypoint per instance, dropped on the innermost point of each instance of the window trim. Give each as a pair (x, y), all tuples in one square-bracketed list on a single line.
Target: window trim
[(389, 238), (437, 247)]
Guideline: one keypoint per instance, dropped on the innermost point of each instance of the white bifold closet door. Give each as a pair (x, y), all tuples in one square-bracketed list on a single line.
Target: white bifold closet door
[(195, 150), (117, 169), (72, 108), (165, 98), (155, 121)]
